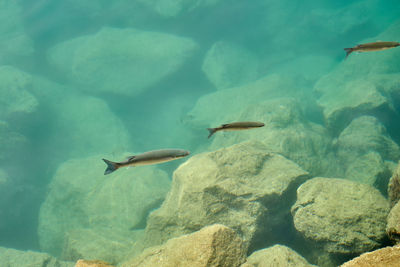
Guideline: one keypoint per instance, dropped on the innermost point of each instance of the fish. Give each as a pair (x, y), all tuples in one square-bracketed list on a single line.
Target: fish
[(147, 158), (235, 126), (368, 47)]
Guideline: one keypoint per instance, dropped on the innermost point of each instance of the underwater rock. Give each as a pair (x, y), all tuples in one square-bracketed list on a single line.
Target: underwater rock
[(14, 41), (107, 245), (215, 245), (242, 186), (121, 61), (10, 142), (363, 147), (384, 257), (340, 216), (229, 65), (393, 223), (365, 134), (394, 187), (274, 256), (286, 131), (369, 169), (14, 93), (92, 263), (11, 257), (362, 84), (173, 8), (81, 197)]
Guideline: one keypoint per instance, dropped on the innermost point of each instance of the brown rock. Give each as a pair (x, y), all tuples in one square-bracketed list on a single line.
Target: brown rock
[(384, 257), (393, 223), (215, 245), (394, 187), (92, 263)]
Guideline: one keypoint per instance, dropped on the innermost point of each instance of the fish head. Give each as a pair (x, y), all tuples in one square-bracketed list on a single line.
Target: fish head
[(181, 153)]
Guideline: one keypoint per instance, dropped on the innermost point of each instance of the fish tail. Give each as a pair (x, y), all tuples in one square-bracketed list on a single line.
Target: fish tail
[(348, 51), (111, 166), (212, 131)]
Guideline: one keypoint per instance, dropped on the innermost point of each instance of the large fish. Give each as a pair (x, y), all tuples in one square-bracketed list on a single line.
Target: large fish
[(368, 47), (235, 126), (147, 158)]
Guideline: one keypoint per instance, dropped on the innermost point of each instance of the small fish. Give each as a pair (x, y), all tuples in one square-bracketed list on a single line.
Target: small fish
[(368, 47), (147, 158), (235, 126)]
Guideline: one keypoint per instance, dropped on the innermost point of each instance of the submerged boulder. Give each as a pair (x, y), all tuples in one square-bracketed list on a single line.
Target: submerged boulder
[(228, 65), (363, 84), (275, 256), (365, 150), (340, 216), (393, 223), (394, 187), (215, 245), (384, 257), (243, 187), (11, 257), (14, 42), (121, 61), (81, 197), (15, 96)]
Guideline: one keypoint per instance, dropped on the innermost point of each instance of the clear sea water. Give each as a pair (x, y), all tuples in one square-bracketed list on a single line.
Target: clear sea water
[(276, 32)]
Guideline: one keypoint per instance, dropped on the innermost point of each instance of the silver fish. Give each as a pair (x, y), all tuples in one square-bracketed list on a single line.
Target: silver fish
[(235, 126), (368, 47), (147, 158)]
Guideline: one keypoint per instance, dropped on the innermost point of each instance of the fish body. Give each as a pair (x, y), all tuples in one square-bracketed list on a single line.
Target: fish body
[(369, 47), (235, 126), (147, 158)]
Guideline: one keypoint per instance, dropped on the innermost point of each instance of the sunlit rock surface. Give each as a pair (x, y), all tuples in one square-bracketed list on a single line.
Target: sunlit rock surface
[(384, 257), (275, 256), (121, 61), (215, 245), (81, 197), (243, 187), (340, 216)]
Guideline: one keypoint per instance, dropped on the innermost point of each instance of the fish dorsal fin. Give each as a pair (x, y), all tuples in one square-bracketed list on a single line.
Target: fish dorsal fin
[(131, 157), (225, 124)]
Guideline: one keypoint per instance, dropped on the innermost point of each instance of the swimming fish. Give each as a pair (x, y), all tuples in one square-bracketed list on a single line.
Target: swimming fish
[(147, 158), (235, 126), (368, 47)]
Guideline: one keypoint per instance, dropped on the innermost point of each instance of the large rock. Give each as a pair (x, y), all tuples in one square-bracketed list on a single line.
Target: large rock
[(393, 223), (394, 187), (215, 245), (286, 131), (14, 93), (10, 142), (173, 8), (13, 40), (362, 84), (122, 61), (340, 216), (275, 256), (384, 257), (229, 65), (15, 258), (108, 245), (242, 186), (364, 148), (81, 197)]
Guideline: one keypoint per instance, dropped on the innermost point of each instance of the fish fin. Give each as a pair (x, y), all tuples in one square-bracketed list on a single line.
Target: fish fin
[(130, 157), (111, 166), (212, 131), (348, 51)]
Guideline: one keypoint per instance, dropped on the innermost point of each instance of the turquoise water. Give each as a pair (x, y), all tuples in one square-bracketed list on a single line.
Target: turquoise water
[(111, 78)]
